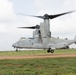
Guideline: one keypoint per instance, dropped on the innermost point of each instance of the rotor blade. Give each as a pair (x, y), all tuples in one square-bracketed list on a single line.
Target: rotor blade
[(46, 16), (42, 17), (33, 27), (57, 15)]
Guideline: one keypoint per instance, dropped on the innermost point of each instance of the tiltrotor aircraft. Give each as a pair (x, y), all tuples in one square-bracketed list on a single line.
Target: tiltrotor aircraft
[(42, 38)]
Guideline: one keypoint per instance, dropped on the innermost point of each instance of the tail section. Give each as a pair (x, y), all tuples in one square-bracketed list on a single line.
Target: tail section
[(75, 38)]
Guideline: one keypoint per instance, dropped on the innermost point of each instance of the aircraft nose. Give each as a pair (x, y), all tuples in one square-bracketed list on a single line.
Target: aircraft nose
[(15, 45)]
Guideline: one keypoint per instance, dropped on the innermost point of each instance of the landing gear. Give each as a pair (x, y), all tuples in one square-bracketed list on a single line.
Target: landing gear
[(16, 50), (50, 50)]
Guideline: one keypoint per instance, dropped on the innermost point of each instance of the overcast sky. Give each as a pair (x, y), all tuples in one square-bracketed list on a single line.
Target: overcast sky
[(64, 26)]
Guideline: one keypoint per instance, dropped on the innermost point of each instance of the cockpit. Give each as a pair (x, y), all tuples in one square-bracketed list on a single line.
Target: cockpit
[(22, 38)]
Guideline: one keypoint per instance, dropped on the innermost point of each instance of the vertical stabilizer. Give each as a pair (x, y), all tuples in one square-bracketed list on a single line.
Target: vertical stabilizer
[(75, 37)]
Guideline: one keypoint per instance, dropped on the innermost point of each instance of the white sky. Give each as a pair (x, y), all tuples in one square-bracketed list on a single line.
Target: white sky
[(64, 26)]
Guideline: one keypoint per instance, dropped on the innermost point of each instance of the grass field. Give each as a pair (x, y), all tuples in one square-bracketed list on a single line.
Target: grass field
[(36, 52), (47, 66), (43, 66)]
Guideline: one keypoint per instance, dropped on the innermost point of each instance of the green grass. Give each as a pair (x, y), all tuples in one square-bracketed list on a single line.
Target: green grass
[(20, 53), (47, 66), (44, 66), (36, 52)]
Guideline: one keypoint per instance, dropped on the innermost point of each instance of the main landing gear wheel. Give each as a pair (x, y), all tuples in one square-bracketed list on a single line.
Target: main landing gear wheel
[(16, 50), (50, 50)]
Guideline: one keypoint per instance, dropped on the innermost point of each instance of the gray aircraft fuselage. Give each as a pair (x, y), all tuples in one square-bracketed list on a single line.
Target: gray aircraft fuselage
[(35, 43), (42, 38)]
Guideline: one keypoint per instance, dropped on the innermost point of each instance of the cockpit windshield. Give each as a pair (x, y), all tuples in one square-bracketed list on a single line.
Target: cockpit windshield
[(22, 38)]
